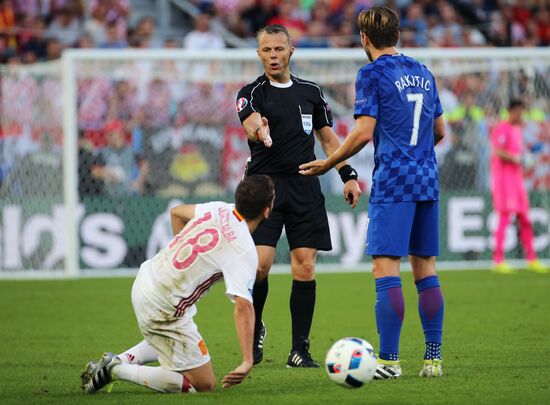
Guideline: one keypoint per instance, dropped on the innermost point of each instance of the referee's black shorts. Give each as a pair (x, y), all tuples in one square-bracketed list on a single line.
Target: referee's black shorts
[(299, 206)]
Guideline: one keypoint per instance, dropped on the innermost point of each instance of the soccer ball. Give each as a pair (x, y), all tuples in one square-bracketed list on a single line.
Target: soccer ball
[(351, 362)]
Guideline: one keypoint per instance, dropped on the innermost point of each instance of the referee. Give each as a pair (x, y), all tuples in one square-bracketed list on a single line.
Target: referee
[(280, 113)]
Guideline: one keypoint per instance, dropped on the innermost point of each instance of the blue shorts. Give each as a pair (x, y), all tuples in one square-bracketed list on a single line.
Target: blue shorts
[(404, 228)]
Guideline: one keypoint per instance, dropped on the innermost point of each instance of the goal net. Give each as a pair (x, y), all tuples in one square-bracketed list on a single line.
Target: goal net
[(96, 148)]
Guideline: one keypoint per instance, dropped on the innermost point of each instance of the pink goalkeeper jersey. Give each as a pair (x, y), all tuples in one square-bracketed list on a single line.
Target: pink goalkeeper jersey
[(508, 186)]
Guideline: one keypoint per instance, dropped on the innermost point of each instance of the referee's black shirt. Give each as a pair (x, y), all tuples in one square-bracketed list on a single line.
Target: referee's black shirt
[(293, 112)]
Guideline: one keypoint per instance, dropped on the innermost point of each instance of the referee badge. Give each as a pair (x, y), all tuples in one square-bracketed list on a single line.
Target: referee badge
[(307, 123), (241, 104)]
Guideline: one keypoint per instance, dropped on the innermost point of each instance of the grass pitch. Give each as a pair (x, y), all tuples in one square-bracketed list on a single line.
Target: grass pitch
[(496, 347)]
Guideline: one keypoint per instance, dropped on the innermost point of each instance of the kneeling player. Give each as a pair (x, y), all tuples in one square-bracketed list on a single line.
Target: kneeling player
[(212, 241)]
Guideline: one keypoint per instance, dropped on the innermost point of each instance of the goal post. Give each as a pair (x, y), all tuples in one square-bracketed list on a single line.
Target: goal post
[(70, 165), (95, 148)]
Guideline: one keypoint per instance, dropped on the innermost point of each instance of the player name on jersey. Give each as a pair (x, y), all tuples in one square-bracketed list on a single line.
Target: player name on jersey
[(412, 81), (227, 232)]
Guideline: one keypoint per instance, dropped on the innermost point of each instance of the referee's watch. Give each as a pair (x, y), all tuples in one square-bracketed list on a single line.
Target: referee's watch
[(347, 173)]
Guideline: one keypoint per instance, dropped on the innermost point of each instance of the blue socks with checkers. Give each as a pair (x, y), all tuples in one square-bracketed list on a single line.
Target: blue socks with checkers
[(431, 309), (390, 309)]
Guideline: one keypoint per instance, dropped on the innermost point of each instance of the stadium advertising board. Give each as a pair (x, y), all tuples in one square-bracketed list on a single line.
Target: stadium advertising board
[(121, 233)]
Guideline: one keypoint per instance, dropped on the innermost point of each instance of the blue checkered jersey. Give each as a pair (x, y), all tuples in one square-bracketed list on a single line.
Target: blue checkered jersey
[(401, 94)]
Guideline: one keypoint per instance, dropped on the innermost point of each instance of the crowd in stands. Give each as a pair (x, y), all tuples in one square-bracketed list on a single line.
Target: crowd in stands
[(147, 135), (38, 30)]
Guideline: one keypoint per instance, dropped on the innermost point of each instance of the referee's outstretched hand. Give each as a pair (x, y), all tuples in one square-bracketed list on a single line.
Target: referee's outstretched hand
[(314, 168), (264, 135)]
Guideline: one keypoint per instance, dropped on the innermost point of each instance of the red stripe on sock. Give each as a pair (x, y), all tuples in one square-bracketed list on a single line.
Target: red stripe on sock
[(186, 385)]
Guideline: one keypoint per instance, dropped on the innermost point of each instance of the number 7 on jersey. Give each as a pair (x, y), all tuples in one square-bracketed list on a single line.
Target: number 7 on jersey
[(417, 99)]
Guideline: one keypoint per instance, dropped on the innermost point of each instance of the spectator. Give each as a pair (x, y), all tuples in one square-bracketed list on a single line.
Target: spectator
[(159, 109), (346, 36), (315, 36), (114, 40), (463, 158), (414, 21), (342, 12), (7, 24), (39, 173), (521, 12), (472, 37), (18, 111), (123, 103), (93, 95), (407, 39), (447, 28), (53, 49), (29, 8), (85, 42), (145, 32), (120, 173), (543, 26), (116, 12), (288, 17), (257, 15), (75, 6), (202, 99), (65, 27), (32, 41), (202, 37), (90, 167), (96, 25)]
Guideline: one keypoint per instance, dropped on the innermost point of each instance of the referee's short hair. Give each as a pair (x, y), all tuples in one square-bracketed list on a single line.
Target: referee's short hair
[(253, 194), (381, 25), (273, 29)]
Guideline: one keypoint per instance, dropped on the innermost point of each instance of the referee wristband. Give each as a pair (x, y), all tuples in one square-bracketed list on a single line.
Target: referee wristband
[(347, 173)]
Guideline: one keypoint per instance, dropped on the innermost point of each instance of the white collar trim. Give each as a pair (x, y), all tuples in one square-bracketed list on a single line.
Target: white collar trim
[(281, 85)]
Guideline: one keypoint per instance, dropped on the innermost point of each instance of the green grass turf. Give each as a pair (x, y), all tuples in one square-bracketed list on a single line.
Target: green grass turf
[(496, 342)]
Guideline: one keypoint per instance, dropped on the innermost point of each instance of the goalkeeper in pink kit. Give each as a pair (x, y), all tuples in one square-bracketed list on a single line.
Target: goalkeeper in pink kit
[(508, 189)]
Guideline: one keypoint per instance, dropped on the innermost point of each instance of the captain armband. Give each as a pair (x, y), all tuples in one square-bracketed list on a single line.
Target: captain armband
[(347, 173)]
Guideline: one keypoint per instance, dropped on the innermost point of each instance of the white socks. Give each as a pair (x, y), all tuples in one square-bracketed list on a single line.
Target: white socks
[(156, 378), (141, 353)]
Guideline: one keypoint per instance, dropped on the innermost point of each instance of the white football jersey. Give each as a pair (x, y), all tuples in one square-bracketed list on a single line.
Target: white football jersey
[(215, 244)]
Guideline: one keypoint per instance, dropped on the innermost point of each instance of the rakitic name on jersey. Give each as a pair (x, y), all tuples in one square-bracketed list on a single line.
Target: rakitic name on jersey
[(412, 81)]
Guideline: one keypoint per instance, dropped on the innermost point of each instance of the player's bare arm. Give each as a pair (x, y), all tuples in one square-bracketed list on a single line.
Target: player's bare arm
[(356, 140), (439, 129), (507, 156), (330, 143), (180, 216), (244, 323), (257, 129)]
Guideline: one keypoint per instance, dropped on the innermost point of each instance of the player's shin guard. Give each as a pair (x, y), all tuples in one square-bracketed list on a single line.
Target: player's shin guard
[(302, 305), (156, 378), (389, 309), (259, 296), (431, 310)]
